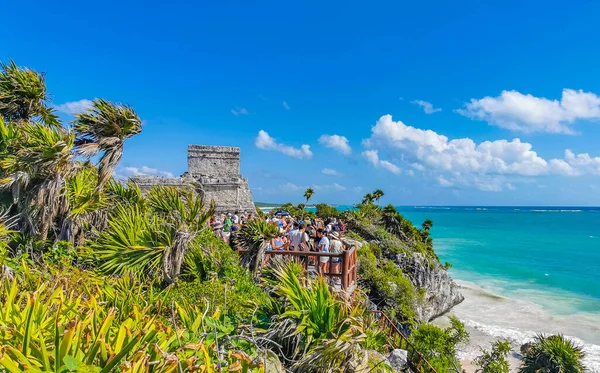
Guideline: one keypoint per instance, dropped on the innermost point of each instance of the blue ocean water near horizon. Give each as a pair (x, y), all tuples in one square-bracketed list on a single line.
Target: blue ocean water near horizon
[(553, 249)]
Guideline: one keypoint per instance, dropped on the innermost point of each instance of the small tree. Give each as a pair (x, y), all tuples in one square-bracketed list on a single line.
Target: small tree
[(427, 224), (368, 199), (494, 361)]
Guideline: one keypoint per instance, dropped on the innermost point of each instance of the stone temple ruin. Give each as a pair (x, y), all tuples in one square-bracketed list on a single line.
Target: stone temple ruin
[(213, 172)]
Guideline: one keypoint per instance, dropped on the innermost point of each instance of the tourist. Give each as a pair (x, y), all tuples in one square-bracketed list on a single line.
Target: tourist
[(278, 242), (336, 247), (298, 238), (323, 247), (236, 218)]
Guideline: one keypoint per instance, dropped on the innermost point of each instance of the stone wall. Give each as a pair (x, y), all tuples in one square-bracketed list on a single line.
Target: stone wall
[(214, 161)]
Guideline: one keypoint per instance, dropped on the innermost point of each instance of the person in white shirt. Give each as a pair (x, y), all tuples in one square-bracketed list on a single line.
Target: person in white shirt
[(324, 248), (236, 218), (297, 236)]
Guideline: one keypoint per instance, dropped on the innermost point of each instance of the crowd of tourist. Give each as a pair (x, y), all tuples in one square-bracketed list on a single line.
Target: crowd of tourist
[(294, 234)]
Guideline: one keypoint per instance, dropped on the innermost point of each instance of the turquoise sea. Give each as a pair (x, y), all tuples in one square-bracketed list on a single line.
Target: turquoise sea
[(524, 270)]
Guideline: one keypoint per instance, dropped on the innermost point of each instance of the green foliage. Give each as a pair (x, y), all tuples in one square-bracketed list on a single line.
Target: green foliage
[(23, 95), (55, 330), (104, 128), (387, 285), (297, 211), (438, 345), (254, 237), (552, 354), (325, 211), (154, 238), (494, 361)]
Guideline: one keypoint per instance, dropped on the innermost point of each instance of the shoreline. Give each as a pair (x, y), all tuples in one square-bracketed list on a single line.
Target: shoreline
[(488, 317)]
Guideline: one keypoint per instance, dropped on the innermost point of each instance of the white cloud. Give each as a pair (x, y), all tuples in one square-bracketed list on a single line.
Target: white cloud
[(144, 171), (410, 173), (266, 142), (329, 171), (427, 106), (443, 182), (462, 161), (240, 111), (286, 106), (336, 142), (373, 157), (526, 113), (74, 107)]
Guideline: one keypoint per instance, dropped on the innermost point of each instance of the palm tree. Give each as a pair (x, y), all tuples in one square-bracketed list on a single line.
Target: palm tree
[(151, 238), (23, 95), (553, 354), (36, 163), (378, 194), (367, 199), (427, 224), (308, 195), (104, 128), (254, 237)]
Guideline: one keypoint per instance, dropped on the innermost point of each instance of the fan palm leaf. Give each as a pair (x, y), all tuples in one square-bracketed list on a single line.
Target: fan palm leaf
[(104, 128), (23, 95), (254, 237)]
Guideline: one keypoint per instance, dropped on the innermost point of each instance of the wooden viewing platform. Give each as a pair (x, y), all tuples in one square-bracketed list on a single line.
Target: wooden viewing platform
[(347, 265)]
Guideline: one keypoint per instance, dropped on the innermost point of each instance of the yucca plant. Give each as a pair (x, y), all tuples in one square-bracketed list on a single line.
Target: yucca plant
[(104, 128), (254, 237), (552, 354)]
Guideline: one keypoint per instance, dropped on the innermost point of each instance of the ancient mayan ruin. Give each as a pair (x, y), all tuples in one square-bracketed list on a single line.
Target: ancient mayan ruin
[(214, 172)]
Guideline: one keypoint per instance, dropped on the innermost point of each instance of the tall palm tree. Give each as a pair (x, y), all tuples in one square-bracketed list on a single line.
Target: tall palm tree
[(378, 194), (367, 199), (308, 195), (553, 354), (104, 128), (23, 95), (35, 165)]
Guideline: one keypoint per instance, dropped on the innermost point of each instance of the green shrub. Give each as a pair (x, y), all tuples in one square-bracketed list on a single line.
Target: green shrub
[(439, 345)]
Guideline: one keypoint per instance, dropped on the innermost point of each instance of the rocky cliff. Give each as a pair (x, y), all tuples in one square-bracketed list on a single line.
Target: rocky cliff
[(387, 260), (440, 292)]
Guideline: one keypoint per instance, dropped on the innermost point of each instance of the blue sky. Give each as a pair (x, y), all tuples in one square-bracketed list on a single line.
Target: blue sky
[(425, 99)]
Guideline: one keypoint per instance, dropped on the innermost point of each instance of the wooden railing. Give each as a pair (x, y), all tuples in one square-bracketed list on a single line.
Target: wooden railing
[(345, 269), (416, 362)]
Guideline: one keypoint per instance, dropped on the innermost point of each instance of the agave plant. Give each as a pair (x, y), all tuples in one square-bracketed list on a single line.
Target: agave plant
[(552, 354), (23, 95), (254, 237), (104, 128)]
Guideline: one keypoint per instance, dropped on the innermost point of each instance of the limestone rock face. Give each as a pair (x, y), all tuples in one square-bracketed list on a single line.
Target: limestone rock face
[(441, 292), (213, 172), (398, 359)]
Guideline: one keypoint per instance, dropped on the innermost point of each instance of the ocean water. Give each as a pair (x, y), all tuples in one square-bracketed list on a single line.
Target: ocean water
[(523, 270)]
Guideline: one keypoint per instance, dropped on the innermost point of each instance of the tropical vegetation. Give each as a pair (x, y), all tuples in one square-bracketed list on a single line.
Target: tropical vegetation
[(96, 276)]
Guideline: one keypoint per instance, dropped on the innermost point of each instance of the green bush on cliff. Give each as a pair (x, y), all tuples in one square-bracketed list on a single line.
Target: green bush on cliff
[(439, 345), (387, 285)]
